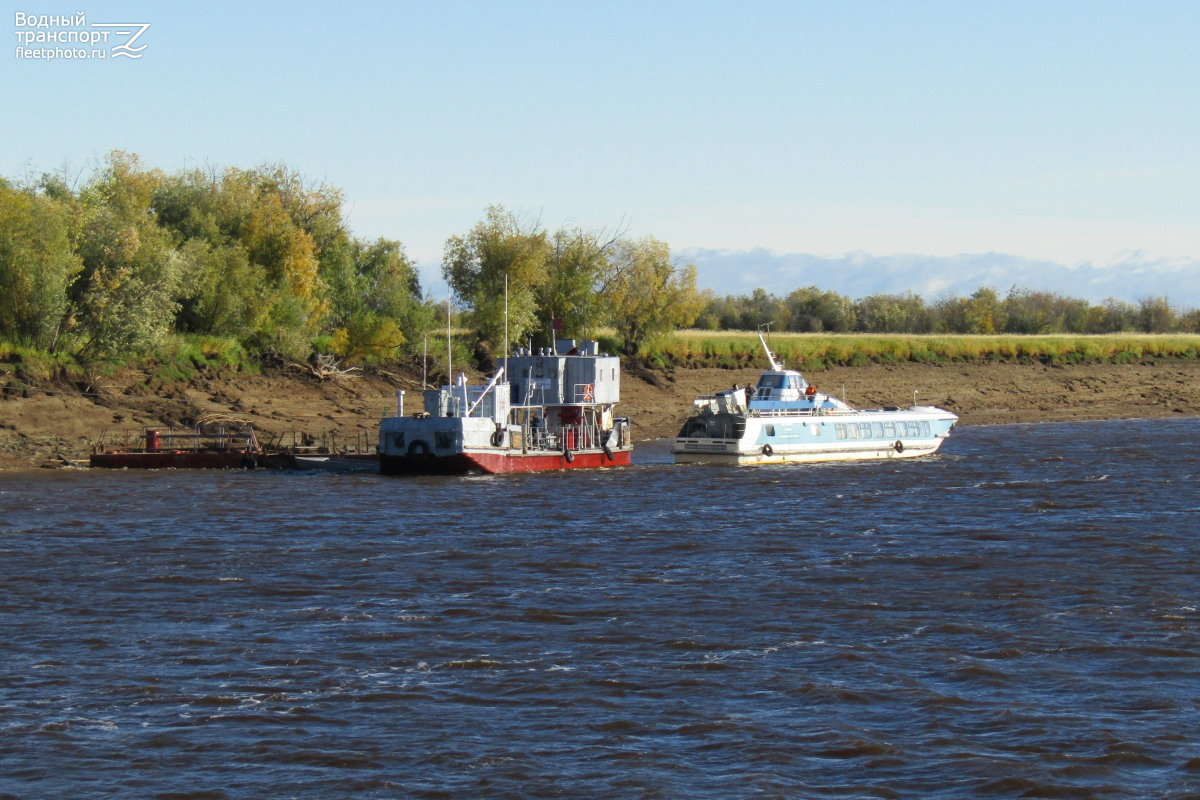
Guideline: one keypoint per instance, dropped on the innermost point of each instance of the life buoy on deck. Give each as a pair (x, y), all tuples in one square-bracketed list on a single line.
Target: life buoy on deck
[(767, 450), (898, 446)]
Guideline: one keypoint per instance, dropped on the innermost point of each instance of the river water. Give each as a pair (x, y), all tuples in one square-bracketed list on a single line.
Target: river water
[(1014, 617)]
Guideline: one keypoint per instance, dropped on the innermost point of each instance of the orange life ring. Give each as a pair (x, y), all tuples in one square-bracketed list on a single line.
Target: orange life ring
[(811, 390)]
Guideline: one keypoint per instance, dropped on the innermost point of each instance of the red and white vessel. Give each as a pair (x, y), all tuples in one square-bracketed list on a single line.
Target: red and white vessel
[(548, 409)]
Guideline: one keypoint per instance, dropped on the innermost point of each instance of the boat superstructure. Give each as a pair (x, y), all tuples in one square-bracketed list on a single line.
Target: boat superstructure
[(784, 419), (545, 409)]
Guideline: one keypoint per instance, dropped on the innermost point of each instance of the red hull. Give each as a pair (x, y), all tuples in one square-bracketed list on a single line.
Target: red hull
[(502, 462), (175, 460)]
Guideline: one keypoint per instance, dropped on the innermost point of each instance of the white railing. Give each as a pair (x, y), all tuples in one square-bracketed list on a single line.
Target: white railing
[(565, 437), (798, 412)]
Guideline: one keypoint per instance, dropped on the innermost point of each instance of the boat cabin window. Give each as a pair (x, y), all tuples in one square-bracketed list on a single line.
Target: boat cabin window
[(777, 381)]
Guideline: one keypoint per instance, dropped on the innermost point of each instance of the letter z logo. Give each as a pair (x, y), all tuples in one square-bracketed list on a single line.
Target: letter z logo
[(127, 29)]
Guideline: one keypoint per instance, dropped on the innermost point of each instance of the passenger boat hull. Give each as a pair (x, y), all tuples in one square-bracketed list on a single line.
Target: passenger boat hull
[(713, 453)]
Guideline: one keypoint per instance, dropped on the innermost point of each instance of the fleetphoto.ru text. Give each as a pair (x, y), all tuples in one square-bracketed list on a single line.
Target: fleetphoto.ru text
[(50, 37)]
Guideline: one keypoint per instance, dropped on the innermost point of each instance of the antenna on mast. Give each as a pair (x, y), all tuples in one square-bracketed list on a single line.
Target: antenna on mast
[(775, 363), (505, 323)]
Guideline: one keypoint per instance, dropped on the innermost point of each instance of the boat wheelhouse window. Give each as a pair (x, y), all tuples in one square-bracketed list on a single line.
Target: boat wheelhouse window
[(714, 426), (771, 381)]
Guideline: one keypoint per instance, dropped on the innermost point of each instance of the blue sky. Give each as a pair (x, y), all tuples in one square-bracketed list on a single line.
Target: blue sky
[(1065, 133)]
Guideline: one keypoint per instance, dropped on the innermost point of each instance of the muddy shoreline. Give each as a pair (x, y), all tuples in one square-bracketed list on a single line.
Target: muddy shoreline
[(50, 425)]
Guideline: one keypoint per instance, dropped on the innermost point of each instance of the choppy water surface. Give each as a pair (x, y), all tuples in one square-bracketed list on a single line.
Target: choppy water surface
[(1014, 617)]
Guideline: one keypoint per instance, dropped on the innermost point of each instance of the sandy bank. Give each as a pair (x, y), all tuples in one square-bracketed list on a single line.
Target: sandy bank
[(47, 425)]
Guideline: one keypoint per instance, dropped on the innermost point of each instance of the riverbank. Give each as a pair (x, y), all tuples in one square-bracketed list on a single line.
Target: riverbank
[(52, 424)]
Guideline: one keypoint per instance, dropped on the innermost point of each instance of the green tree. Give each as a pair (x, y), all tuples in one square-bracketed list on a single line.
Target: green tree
[(1155, 315), (762, 308), (221, 292), (376, 307), (476, 265), (648, 294), (577, 276), (813, 310), (124, 300), (37, 265), (258, 248), (892, 313)]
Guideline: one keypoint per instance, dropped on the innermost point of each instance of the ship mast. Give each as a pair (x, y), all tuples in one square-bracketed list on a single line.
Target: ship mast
[(775, 363)]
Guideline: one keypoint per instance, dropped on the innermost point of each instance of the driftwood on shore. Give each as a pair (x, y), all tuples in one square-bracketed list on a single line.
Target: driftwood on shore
[(326, 367)]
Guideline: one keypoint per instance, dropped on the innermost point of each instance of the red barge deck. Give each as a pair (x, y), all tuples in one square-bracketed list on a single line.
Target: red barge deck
[(201, 447)]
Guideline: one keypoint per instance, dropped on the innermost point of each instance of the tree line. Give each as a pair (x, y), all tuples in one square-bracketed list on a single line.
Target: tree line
[(1020, 311), (113, 268), (260, 257)]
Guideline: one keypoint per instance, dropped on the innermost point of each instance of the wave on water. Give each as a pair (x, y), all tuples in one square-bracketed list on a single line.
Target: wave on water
[(1013, 618)]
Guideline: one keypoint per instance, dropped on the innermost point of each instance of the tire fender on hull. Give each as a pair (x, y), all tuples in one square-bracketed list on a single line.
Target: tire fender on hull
[(418, 450)]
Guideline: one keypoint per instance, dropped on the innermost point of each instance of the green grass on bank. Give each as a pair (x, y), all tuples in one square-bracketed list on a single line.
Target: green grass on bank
[(182, 358), (179, 359), (816, 351)]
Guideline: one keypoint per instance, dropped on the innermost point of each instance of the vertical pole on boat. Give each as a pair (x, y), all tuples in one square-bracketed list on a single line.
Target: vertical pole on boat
[(449, 365), (506, 323), (425, 363)]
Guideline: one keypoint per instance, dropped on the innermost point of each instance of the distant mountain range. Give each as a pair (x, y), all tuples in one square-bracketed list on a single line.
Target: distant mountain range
[(932, 277)]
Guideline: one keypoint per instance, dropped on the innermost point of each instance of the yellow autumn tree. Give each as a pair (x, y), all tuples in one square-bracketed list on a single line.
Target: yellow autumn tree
[(649, 293)]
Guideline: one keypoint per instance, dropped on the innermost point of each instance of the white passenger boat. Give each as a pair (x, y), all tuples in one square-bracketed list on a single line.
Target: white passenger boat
[(557, 412), (784, 420)]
